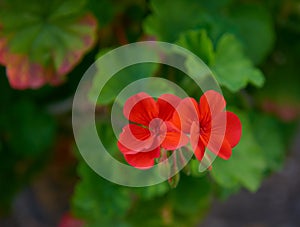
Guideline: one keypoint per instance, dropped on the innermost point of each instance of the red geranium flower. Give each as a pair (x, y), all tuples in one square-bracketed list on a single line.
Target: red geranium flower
[(209, 125), (151, 128)]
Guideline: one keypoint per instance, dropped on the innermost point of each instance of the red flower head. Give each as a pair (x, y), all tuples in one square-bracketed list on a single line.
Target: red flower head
[(209, 125), (151, 129)]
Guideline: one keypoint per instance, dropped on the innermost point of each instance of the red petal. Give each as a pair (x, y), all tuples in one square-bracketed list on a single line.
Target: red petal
[(225, 150), (227, 125), (135, 138), (211, 103), (186, 113), (140, 108), (213, 139), (220, 146), (167, 104), (174, 138), (142, 160), (233, 129), (196, 142)]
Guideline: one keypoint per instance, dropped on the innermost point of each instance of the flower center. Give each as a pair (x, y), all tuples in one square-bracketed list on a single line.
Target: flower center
[(158, 127)]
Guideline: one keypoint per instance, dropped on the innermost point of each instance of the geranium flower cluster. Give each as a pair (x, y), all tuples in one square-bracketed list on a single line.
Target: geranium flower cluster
[(170, 123)]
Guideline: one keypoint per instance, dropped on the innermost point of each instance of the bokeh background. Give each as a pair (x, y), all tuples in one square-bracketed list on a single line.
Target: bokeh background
[(252, 47)]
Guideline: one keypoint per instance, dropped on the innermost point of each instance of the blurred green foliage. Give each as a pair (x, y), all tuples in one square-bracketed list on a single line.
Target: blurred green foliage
[(251, 46), (27, 133)]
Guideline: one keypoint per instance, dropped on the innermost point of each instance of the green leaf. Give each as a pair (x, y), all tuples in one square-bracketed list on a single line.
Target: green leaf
[(102, 203), (232, 68), (121, 79), (150, 192), (269, 136), (108, 138), (260, 151), (98, 201), (247, 164), (198, 197), (183, 206), (169, 18), (45, 40), (254, 27), (215, 5), (199, 43), (218, 18)]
